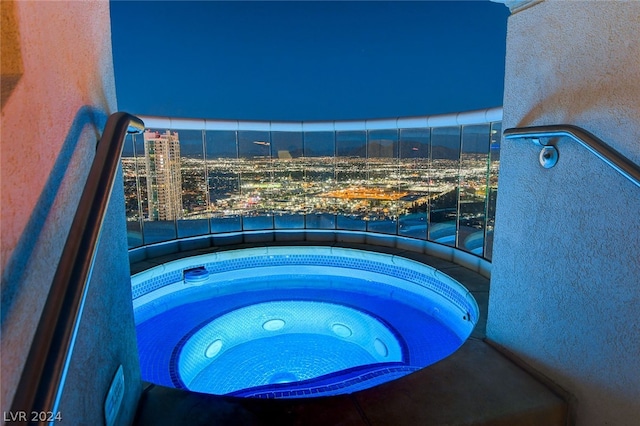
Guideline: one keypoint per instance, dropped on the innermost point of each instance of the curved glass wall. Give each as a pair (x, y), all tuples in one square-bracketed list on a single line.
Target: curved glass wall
[(431, 178)]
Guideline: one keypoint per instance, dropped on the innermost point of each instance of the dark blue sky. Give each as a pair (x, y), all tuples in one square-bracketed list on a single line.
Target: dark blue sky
[(307, 60)]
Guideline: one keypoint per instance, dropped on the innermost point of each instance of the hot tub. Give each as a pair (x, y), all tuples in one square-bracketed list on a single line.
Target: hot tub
[(283, 322)]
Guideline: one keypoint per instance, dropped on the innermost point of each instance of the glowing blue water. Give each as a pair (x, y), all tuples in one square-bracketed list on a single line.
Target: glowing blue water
[(325, 365), (295, 321), (278, 359), (283, 341)]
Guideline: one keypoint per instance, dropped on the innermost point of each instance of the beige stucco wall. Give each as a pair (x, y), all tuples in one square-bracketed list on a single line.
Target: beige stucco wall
[(50, 124), (565, 288)]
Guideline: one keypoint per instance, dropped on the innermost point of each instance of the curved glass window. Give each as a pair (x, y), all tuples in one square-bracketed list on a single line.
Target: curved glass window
[(400, 177)]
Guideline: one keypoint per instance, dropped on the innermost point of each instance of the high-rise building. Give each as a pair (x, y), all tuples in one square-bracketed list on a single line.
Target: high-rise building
[(164, 181)]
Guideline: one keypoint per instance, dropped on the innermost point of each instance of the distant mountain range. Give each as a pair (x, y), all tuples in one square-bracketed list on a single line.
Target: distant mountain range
[(378, 150)]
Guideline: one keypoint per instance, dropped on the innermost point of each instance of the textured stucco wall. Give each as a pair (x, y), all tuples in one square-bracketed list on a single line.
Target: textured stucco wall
[(565, 288), (50, 125)]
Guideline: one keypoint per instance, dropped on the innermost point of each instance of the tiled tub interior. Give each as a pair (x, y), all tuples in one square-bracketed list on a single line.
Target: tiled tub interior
[(278, 322)]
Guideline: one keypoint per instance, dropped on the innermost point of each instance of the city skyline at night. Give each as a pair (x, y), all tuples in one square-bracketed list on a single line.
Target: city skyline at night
[(437, 183)]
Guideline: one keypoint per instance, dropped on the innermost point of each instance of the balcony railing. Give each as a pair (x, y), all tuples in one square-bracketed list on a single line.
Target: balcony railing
[(431, 178)]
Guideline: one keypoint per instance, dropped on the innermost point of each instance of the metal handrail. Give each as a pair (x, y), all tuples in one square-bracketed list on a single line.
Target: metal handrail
[(595, 145), (46, 367)]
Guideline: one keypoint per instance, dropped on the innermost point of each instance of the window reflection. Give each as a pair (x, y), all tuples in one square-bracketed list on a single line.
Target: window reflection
[(473, 188), (319, 179), (195, 203), (223, 180), (349, 194), (445, 166), (414, 164), (258, 187), (492, 186), (383, 196), (132, 198), (289, 204)]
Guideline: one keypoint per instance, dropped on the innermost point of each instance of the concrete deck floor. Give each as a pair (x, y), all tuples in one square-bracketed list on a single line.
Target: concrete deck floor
[(477, 385)]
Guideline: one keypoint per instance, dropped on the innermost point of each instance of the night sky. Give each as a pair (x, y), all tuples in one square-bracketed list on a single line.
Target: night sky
[(307, 60)]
